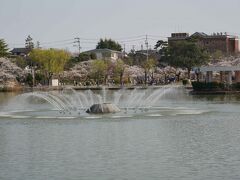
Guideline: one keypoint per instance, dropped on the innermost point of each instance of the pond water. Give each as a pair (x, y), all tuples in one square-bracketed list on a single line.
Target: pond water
[(181, 137)]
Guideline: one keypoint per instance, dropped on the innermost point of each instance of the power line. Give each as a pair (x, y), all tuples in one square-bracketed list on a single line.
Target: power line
[(14, 44), (81, 41), (56, 45), (86, 42), (59, 41), (89, 39), (157, 36), (133, 40), (130, 37)]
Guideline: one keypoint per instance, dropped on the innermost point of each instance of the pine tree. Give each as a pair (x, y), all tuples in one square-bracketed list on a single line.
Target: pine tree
[(109, 44), (3, 48), (29, 42)]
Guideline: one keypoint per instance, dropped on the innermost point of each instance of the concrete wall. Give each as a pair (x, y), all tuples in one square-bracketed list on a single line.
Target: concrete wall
[(214, 44)]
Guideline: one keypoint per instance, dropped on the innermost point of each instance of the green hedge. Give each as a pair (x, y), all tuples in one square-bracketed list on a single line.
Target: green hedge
[(236, 86), (3, 89), (207, 86), (185, 81)]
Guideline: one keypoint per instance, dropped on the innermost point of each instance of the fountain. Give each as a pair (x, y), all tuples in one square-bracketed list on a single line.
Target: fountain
[(103, 108), (71, 103)]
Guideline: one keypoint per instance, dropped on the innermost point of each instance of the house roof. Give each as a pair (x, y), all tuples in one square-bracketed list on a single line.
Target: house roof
[(201, 34), (144, 52), (183, 36), (102, 50), (219, 68), (20, 50), (214, 35)]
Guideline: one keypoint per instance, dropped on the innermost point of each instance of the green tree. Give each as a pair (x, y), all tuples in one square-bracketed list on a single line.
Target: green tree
[(119, 68), (29, 79), (3, 48), (99, 70), (128, 60), (217, 55), (148, 65), (109, 44), (50, 60), (29, 42), (84, 57), (135, 58), (93, 56), (161, 44), (20, 61), (185, 54), (39, 77)]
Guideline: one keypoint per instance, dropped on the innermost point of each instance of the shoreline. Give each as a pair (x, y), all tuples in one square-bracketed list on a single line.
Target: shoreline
[(213, 92), (59, 88)]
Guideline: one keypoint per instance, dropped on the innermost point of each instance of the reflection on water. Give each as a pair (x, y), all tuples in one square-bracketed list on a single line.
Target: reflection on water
[(189, 137), (218, 98)]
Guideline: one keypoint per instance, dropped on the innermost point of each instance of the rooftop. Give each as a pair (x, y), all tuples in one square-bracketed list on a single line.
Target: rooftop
[(219, 68), (20, 50), (180, 36), (102, 50)]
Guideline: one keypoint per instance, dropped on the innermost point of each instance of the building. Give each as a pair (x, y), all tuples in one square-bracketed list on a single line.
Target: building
[(177, 37), (227, 74), (141, 56), (147, 52), (216, 42), (106, 54), (20, 51)]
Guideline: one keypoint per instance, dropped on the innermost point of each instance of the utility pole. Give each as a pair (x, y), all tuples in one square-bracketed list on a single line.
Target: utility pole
[(77, 43), (133, 48), (146, 43), (38, 45), (124, 50)]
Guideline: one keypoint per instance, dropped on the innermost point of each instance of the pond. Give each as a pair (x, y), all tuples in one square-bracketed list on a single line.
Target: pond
[(179, 136)]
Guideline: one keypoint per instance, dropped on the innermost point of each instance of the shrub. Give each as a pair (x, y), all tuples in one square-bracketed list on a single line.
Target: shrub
[(29, 79), (93, 56), (236, 86), (39, 77), (207, 86), (185, 82)]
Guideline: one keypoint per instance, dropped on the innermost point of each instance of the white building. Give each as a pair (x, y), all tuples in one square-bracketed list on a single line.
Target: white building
[(106, 54)]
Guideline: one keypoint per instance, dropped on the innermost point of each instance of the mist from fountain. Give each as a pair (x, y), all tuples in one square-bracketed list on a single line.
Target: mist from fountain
[(71, 101)]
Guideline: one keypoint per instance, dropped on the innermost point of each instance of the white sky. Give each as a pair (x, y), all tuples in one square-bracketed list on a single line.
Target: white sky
[(127, 21)]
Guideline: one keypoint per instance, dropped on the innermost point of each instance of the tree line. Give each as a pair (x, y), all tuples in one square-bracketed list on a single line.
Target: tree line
[(185, 54)]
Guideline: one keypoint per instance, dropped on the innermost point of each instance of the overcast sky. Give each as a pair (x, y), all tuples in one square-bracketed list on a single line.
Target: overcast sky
[(127, 21)]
